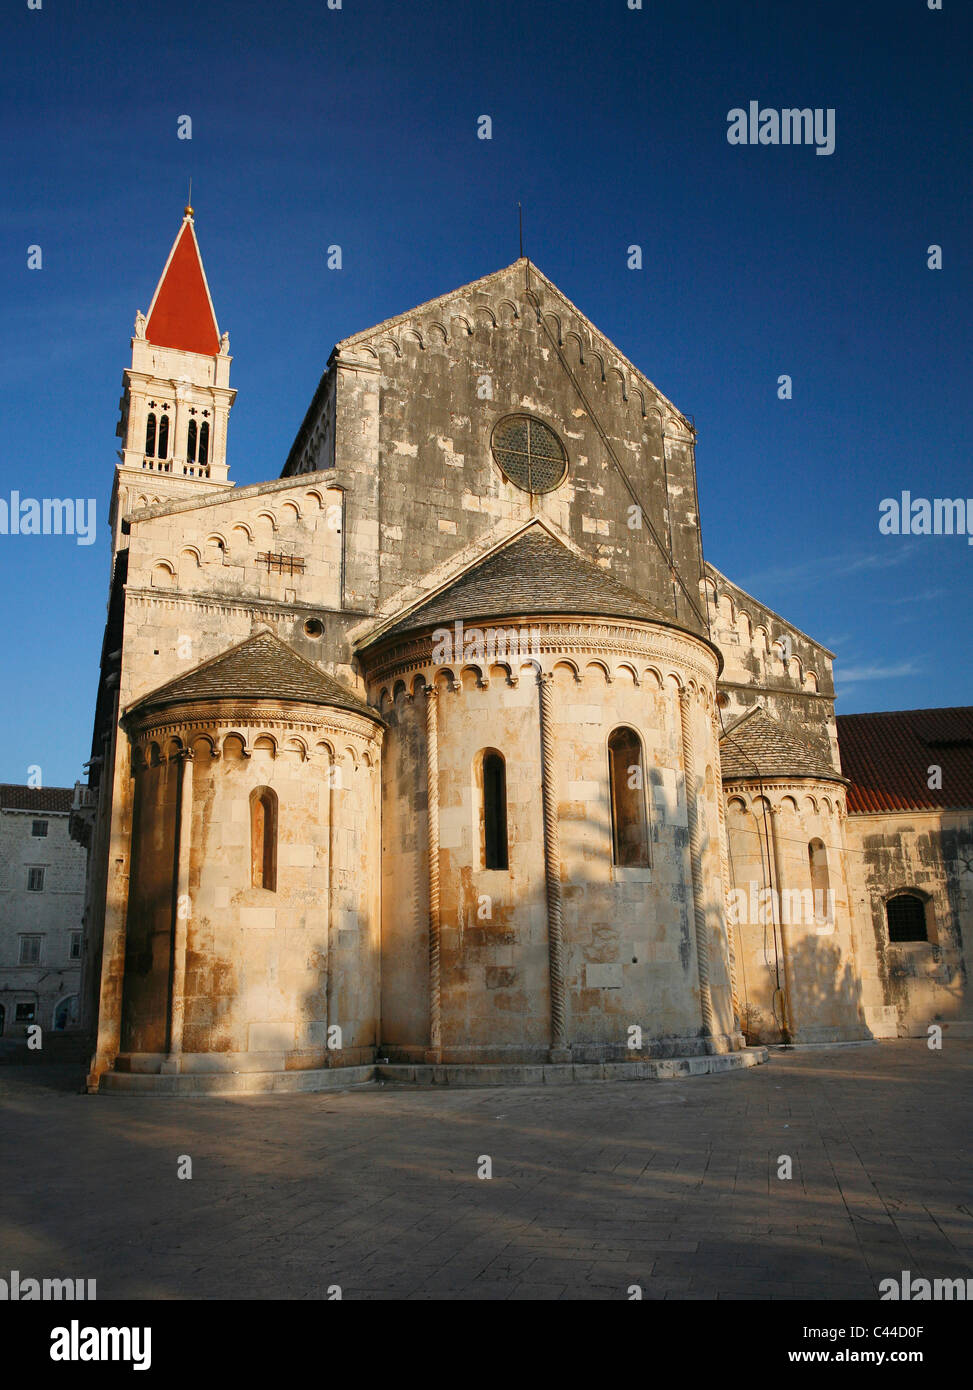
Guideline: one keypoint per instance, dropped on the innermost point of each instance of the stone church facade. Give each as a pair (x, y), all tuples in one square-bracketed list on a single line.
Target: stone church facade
[(447, 749)]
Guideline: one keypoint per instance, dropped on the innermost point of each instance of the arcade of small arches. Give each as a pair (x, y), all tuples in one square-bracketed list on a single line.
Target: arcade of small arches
[(757, 637)]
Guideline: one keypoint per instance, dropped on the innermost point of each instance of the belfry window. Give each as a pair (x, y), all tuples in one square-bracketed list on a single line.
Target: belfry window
[(191, 442), (906, 918), (150, 436), (494, 772), (164, 437), (263, 839), (630, 831), (204, 442)]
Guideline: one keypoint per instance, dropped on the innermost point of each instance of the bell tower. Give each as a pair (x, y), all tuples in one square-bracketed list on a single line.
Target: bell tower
[(176, 396)]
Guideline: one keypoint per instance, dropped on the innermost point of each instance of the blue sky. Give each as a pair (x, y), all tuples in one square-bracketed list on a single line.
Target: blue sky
[(358, 127)]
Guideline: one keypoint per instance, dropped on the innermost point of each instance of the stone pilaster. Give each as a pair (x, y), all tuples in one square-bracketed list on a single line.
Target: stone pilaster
[(552, 870), (434, 1053), (696, 860)]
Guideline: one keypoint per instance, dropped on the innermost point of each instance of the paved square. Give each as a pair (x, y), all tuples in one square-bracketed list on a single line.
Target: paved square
[(669, 1185)]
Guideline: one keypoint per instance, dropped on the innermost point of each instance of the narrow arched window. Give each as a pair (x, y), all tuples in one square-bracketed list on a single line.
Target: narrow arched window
[(164, 437), (263, 839), (906, 917), (817, 859), (191, 442), (204, 442), (150, 437), (494, 811), (630, 831)]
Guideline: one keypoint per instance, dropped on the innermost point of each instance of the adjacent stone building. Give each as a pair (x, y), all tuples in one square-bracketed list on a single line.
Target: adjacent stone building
[(41, 907), (447, 747)]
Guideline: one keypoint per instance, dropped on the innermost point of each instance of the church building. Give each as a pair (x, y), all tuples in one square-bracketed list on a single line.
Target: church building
[(446, 756)]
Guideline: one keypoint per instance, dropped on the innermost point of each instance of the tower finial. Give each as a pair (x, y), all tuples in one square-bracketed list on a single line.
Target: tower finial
[(188, 210)]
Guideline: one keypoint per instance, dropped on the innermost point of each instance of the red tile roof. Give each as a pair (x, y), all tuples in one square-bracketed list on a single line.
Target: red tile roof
[(181, 313), (888, 757), (17, 798)]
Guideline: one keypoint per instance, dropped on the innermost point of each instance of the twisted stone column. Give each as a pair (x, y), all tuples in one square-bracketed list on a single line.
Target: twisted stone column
[(329, 981), (434, 1053), (552, 869), (725, 875), (183, 907), (695, 860)]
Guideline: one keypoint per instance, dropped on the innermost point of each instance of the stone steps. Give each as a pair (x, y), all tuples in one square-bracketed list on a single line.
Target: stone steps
[(423, 1074)]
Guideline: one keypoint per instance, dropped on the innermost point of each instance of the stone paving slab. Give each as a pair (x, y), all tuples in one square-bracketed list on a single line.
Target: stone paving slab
[(594, 1187)]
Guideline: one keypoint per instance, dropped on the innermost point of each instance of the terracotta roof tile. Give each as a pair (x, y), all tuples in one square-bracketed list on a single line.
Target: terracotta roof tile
[(888, 757), (54, 799)]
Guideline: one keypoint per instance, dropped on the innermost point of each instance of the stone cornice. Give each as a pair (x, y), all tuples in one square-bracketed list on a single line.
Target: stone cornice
[(604, 637), (199, 717)]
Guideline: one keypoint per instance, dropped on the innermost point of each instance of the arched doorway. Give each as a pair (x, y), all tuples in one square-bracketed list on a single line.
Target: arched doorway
[(66, 1013)]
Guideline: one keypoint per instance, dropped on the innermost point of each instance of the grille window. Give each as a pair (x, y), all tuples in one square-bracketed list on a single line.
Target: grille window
[(906, 916), (39, 829), (529, 454)]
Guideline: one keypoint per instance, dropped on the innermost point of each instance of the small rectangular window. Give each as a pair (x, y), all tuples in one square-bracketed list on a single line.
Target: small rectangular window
[(39, 829), (25, 1013), (30, 950), (75, 945), (35, 880)]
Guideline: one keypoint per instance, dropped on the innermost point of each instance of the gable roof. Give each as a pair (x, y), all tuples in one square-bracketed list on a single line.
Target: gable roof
[(535, 573), (181, 314), (887, 756), (508, 280), (526, 267), (260, 668), (56, 800), (756, 744)]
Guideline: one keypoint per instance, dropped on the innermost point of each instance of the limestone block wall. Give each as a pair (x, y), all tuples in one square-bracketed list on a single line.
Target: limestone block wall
[(415, 402), (908, 985), (767, 659), (802, 946), (267, 970), (630, 951), (195, 586)]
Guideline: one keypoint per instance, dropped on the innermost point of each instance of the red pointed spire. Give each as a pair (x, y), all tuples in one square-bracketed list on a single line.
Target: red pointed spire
[(181, 313)]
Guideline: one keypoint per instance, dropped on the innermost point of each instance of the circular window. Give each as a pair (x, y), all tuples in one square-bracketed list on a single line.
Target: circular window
[(529, 453), (314, 627)]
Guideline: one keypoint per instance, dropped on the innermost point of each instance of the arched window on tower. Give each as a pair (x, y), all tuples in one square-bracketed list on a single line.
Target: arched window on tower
[(630, 831), (150, 436), (204, 442), (164, 437), (906, 918), (191, 442), (263, 838), (817, 858), (493, 772)]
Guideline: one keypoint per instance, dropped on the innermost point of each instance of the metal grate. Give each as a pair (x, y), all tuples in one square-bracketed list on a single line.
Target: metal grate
[(281, 564), (906, 917), (529, 453)]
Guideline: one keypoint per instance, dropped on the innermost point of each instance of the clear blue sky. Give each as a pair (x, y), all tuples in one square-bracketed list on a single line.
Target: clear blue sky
[(358, 127)]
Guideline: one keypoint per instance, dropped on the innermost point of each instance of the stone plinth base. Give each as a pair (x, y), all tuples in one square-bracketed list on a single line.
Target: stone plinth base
[(189, 1083)]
